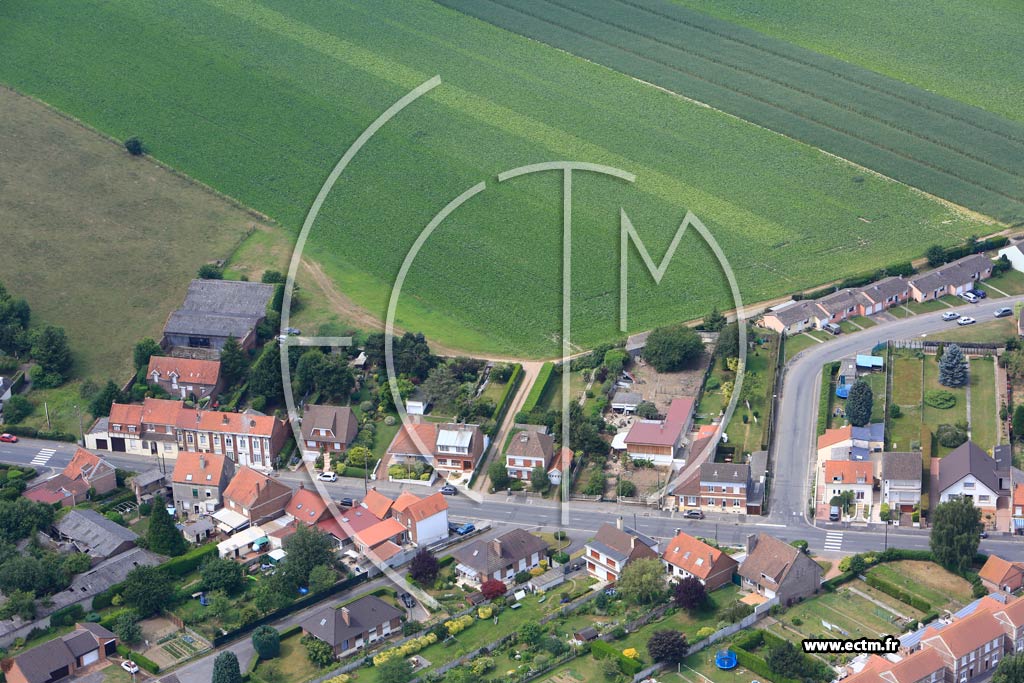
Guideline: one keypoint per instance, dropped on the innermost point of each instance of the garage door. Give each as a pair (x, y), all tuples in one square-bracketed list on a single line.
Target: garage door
[(90, 657), (117, 445), (101, 445)]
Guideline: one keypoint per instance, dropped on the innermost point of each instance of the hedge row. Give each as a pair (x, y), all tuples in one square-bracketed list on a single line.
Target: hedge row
[(505, 400), (537, 391), (140, 659), (33, 433), (898, 593), (904, 269), (752, 662), (828, 372), (603, 650), (954, 253), (190, 561)]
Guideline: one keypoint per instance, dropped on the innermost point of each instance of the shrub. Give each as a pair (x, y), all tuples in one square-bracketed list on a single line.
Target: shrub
[(266, 641), (939, 398), (951, 436)]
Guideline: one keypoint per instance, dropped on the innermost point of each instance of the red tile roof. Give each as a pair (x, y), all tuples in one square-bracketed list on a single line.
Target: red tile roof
[(385, 551), (663, 432), (404, 500), (965, 635), (1018, 489), (833, 436), (696, 557), (307, 506), (161, 411), (86, 465), (562, 462), (915, 667), (380, 532), (187, 369), (377, 503), (249, 487), (198, 468), (351, 522), (1001, 572), (425, 508), (229, 423), (122, 415), (403, 442), (680, 409), (849, 472)]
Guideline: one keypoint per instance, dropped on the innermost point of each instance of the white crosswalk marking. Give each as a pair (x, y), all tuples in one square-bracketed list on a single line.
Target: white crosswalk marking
[(834, 540), (43, 456)]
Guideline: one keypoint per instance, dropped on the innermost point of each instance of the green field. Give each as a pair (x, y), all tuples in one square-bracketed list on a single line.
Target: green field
[(942, 146), (987, 330), (984, 410), (260, 100), (911, 44)]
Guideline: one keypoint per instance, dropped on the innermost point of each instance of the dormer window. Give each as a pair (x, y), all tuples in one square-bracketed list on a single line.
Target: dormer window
[(188, 477)]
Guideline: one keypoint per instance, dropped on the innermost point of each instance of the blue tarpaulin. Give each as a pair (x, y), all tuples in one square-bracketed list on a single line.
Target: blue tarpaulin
[(866, 361)]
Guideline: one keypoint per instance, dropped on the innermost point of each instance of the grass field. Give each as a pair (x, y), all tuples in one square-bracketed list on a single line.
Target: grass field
[(798, 343), (906, 379), (910, 45), (100, 243), (983, 403), (263, 98), (858, 616), (940, 588), (1011, 282), (986, 330), (942, 146)]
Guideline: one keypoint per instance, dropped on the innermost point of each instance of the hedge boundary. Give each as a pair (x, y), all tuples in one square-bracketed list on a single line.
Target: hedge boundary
[(537, 390)]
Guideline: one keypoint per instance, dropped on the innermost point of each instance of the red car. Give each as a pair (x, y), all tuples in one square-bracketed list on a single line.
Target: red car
[(8, 438)]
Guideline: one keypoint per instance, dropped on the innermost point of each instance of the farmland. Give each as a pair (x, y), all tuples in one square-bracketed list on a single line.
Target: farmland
[(939, 145), (260, 100)]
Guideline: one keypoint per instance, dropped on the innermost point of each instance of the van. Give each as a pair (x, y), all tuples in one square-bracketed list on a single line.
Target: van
[(833, 513), (832, 328)]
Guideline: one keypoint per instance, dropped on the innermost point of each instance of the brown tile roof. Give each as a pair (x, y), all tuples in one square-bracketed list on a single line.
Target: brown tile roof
[(871, 670), (248, 488), (1001, 572), (228, 423), (161, 411), (122, 415), (833, 436), (626, 545), (902, 466), (198, 468), (385, 551), (530, 443), (915, 667), (771, 557), (697, 558), (339, 420), (351, 522), (307, 506), (563, 461), (849, 472), (403, 443), (1013, 612), (57, 489), (425, 508), (187, 369), (87, 466), (377, 503), (380, 532), (965, 635)]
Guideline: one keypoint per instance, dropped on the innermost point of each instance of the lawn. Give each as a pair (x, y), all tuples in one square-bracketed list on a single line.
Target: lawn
[(929, 306), (940, 588), (682, 621), (933, 417), (855, 615), (292, 662), (264, 98), (1011, 282), (905, 430), (798, 343), (757, 388), (552, 397), (87, 254), (876, 380), (984, 411), (906, 380), (64, 404), (987, 331), (700, 668)]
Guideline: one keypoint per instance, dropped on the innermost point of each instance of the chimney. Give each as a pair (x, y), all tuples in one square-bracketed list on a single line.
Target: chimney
[(618, 523), (257, 489), (751, 543), (345, 616), (496, 546), (202, 463), (224, 420)]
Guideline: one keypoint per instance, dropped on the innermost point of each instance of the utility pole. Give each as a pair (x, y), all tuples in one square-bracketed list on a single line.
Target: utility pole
[(81, 428)]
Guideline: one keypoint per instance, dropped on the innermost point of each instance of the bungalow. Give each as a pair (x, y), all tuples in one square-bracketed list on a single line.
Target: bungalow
[(791, 317), (836, 307), (970, 472), (353, 626), (215, 310), (614, 546), (561, 465), (1001, 575), (327, 429), (774, 568), (254, 496), (426, 519), (901, 480), (951, 279), (882, 295), (528, 449), (86, 472), (88, 645), (849, 475), (661, 441), (685, 556), (499, 558), (198, 481), (185, 377), (449, 448)]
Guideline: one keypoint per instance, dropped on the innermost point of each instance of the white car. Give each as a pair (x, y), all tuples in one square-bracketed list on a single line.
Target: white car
[(970, 297), (327, 476), (950, 315), (130, 666), (966, 320)]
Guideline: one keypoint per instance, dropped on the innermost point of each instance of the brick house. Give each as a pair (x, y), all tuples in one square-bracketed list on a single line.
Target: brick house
[(327, 429), (528, 449), (614, 547), (425, 518), (499, 558), (256, 496), (306, 506), (882, 295), (86, 472), (87, 646), (724, 487), (185, 377), (198, 481), (970, 648), (849, 475), (774, 568), (451, 447), (951, 279), (351, 627), (1002, 575), (685, 556)]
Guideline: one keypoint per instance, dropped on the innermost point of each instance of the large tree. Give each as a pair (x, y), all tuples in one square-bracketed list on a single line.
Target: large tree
[(233, 361), (690, 594), (642, 581), (954, 535), (306, 548), (106, 397), (147, 589), (50, 349), (226, 669), (424, 567), (498, 475), (222, 574), (162, 536), (265, 374), (266, 641), (714, 321), (669, 349), (441, 386), (953, 367), (144, 350), (859, 403), (1010, 670), (410, 353), (395, 670), (667, 646)]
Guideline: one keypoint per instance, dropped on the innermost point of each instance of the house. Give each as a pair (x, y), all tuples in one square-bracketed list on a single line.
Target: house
[(425, 518), (527, 450), (561, 466), (255, 496), (385, 539), (901, 480), (89, 532), (836, 307), (724, 486), (327, 429), (351, 522), (970, 472), (1001, 575), (306, 506), (499, 558), (377, 503), (923, 666), (661, 441), (198, 481), (774, 568), (851, 443), (215, 310), (350, 627), (626, 402), (1014, 255), (791, 318), (970, 647), (149, 484), (882, 295), (951, 279), (86, 472), (849, 475), (1017, 509), (185, 378), (89, 645), (147, 429), (449, 448), (685, 556), (614, 547)]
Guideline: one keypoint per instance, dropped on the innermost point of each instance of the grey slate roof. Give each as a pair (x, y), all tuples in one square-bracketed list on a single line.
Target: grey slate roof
[(724, 473), (482, 556), (885, 288), (968, 459), (365, 613), (153, 476), (627, 397), (838, 302), (956, 273), (796, 312), (1003, 456), (220, 308), (94, 533), (758, 464), (901, 466), (104, 575)]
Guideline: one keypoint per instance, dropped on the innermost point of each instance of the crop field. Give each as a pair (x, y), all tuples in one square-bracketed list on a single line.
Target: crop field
[(912, 43), (942, 146), (259, 100)]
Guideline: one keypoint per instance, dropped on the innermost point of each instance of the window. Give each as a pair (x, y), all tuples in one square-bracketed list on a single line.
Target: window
[(735, 502), (968, 484), (195, 493), (202, 439), (131, 429), (209, 493), (190, 437), (228, 440)]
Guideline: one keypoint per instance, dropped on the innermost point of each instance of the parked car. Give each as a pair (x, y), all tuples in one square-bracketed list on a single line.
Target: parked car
[(347, 502), (832, 328), (966, 320), (448, 490), (465, 529), (327, 476), (693, 514), (8, 438), (130, 666), (407, 600), (980, 293), (833, 513), (970, 297), (1003, 312), (983, 534), (950, 315)]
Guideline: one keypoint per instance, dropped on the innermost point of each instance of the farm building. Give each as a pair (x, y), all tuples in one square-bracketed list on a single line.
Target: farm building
[(215, 310), (626, 401)]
